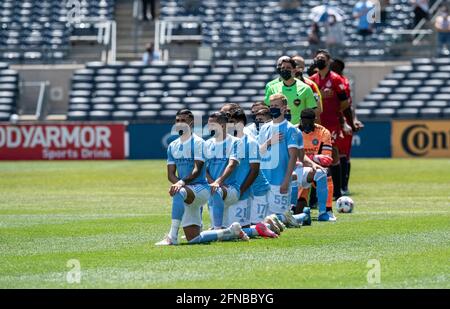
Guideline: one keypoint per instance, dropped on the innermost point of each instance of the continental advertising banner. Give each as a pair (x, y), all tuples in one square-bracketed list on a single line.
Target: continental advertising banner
[(421, 139), (62, 142)]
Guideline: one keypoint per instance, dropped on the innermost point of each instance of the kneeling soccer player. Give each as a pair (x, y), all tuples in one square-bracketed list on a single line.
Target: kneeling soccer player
[(317, 142), (251, 181), (190, 190)]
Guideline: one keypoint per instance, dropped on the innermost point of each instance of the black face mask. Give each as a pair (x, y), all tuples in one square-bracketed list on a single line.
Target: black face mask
[(254, 117), (288, 117), (285, 74), (212, 132), (307, 128), (275, 112), (235, 133), (181, 132), (321, 64)]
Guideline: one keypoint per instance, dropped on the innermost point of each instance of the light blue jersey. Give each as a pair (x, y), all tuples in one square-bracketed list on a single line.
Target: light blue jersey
[(248, 153), (183, 156), (274, 162), (217, 156), (251, 130)]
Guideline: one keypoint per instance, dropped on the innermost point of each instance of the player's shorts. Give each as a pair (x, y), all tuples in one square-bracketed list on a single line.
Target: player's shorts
[(278, 203), (345, 146), (238, 212), (192, 212), (259, 208)]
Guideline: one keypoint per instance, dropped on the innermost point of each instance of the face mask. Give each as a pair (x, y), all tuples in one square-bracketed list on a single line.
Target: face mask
[(288, 117), (181, 132), (254, 117), (235, 132), (275, 112), (321, 64), (285, 74), (212, 132), (308, 128), (299, 74)]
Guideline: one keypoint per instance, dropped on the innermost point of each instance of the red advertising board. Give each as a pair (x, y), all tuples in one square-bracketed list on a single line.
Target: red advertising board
[(62, 142)]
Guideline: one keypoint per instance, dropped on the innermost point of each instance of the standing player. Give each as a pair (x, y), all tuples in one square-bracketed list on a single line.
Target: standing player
[(299, 95), (298, 72), (335, 102), (345, 144), (189, 190), (253, 204), (280, 144)]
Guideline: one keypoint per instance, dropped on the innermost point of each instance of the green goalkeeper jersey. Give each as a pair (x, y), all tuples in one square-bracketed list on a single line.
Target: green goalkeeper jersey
[(299, 95)]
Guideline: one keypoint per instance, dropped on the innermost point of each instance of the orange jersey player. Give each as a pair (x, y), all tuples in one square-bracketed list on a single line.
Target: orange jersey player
[(317, 145)]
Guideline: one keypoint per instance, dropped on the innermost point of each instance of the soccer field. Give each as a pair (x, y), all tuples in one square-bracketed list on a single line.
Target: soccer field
[(108, 215)]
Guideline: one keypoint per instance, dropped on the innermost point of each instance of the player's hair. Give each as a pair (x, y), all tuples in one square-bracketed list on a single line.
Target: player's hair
[(278, 96), (185, 112), (220, 117), (264, 112), (308, 113), (239, 116), (258, 103), (337, 66), (299, 58), (233, 107), (284, 59), (323, 52)]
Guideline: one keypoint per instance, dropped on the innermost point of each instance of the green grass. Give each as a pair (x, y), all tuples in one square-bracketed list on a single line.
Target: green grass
[(108, 215)]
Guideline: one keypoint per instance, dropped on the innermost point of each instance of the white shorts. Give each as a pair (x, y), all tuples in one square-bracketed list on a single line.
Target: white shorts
[(238, 212), (278, 203), (259, 208), (192, 213), (302, 176)]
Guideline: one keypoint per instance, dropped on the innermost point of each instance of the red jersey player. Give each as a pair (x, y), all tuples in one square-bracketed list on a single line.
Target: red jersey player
[(335, 102), (344, 145)]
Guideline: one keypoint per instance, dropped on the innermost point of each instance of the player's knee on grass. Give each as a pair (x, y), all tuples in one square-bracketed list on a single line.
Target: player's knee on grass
[(191, 231)]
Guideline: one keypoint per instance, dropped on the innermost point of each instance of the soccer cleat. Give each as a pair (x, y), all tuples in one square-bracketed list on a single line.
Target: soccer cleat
[(326, 217), (307, 220), (273, 227), (331, 215), (345, 192), (236, 229), (278, 222), (167, 241), (263, 231), (291, 222)]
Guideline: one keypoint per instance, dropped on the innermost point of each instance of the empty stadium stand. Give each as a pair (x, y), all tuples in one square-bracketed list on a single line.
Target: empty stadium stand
[(9, 81), (418, 90), (132, 91), (40, 31), (262, 28)]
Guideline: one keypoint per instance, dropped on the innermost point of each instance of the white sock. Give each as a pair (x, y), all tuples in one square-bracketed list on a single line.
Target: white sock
[(173, 234)]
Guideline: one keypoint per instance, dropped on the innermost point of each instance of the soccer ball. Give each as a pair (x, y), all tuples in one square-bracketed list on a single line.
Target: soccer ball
[(344, 204)]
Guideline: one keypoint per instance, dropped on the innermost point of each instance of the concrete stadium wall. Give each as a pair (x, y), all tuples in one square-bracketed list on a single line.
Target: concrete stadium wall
[(366, 75), (57, 94)]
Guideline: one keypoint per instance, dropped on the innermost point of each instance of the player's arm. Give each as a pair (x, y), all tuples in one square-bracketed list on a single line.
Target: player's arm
[(318, 97), (254, 171), (216, 184), (293, 154)]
